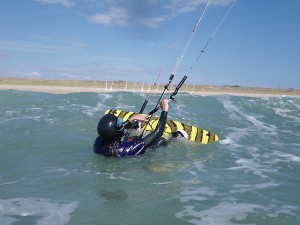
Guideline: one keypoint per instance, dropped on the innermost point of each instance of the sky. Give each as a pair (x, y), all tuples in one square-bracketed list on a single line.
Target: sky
[(256, 45)]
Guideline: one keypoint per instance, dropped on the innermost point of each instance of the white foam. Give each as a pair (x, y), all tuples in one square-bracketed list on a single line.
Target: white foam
[(192, 198), (11, 113), (236, 113), (197, 194), (59, 170), (122, 106), (44, 211), (112, 176), (286, 108), (12, 182), (104, 96), (36, 108), (37, 118), (162, 183), (199, 166), (287, 157), (285, 113), (226, 141), (232, 109), (222, 214), (250, 165), (287, 209), (90, 111), (261, 125), (233, 137), (250, 187)]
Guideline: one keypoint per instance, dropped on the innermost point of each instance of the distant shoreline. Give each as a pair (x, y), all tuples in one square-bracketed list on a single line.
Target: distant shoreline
[(74, 86)]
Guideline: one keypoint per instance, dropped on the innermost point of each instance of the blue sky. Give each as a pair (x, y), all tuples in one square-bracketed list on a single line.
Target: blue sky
[(257, 45)]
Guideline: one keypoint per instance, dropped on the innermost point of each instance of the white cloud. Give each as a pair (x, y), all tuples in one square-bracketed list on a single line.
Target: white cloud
[(114, 16), (95, 72), (183, 6), (124, 13), (34, 47), (149, 13), (67, 3), (222, 2), (153, 22), (24, 74)]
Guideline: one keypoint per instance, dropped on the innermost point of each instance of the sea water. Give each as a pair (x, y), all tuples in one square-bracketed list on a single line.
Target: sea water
[(50, 175)]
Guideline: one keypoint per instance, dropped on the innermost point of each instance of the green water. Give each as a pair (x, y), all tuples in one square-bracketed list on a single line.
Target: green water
[(50, 175)]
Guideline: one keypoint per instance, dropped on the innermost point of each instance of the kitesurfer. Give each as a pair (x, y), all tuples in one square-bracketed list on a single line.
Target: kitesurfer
[(112, 140)]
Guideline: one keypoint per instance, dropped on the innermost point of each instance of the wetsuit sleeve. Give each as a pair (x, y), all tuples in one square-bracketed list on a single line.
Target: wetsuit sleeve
[(135, 147), (159, 130)]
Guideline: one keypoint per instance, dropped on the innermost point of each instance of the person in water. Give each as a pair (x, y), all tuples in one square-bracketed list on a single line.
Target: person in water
[(112, 140)]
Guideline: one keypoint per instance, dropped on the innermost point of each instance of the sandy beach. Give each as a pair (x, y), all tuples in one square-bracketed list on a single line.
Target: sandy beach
[(74, 86)]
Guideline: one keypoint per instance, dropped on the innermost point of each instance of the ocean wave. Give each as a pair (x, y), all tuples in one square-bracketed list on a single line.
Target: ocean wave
[(234, 212), (42, 211), (222, 214), (246, 118), (249, 177), (254, 166)]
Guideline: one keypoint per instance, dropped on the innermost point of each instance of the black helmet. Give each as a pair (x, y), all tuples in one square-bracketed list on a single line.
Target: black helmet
[(110, 128)]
